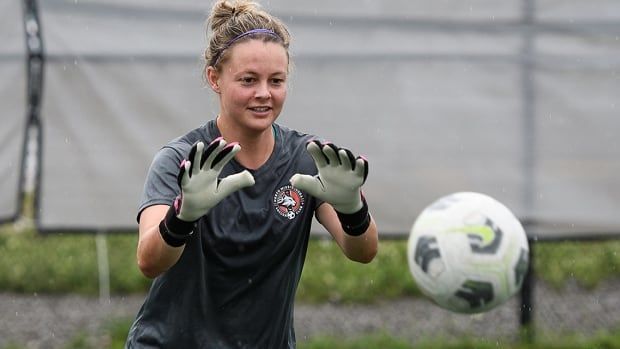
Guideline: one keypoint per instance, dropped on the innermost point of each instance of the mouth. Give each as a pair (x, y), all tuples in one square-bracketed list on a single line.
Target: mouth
[(260, 109)]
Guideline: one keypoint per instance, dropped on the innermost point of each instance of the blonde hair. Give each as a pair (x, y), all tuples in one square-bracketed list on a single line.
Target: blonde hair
[(235, 21)]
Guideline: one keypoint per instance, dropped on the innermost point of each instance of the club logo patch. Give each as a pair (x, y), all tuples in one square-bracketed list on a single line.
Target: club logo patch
[(288, 201)]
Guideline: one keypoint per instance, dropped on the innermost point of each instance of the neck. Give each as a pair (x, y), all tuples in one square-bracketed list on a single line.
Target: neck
[(256, 146)]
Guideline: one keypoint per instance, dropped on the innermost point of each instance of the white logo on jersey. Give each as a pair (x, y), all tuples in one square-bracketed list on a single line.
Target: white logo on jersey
[(288, 201)]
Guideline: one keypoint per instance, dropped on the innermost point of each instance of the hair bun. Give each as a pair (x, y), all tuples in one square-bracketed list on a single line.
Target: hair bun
[(225, 10), (231, 18)]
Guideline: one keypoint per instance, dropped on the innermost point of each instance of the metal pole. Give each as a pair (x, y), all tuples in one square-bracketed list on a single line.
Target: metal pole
[(527, 59), (103, 265), (35, 70), (527, 300)]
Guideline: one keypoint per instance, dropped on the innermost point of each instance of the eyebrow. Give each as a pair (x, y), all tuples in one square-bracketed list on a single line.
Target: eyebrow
[(252, 72)]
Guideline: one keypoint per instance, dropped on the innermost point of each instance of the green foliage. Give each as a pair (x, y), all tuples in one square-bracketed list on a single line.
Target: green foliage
[(61, 263), (374, 341), (12, 346), (80, 341), (116, 332), (329, 275), (587, 262), (32, 263), (382, 340), (125, 277)]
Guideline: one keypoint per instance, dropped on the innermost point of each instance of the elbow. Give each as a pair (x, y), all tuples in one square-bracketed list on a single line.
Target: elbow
[(148, 269), (366, 256)]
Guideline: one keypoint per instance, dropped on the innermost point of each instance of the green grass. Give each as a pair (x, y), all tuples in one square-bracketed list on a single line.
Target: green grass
[(116, 332), (382, 340), (67, 263)]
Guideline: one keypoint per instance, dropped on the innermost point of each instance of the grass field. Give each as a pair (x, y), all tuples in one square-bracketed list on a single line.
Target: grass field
[(117, 332), (64, 263), (67, 263)]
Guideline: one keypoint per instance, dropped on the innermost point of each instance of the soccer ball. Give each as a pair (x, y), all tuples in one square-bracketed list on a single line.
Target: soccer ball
[(468, 253)]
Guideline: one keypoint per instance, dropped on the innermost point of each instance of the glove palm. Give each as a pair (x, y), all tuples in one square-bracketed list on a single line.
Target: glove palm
[(201, 187), (340, 177)]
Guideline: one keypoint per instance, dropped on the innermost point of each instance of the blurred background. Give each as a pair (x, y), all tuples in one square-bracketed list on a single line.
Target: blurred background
[(515, 99)]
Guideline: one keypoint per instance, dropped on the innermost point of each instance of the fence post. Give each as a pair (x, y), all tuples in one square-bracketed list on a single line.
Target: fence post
[(103, 266), (527, 300)]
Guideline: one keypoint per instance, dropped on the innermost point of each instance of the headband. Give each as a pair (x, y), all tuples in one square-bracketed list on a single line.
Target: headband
[(241, 36)]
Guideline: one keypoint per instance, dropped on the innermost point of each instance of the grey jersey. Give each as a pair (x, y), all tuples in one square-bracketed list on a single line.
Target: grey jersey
[(235, 282)]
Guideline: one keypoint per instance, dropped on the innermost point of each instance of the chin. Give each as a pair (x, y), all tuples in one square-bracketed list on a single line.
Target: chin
[(261, 124)]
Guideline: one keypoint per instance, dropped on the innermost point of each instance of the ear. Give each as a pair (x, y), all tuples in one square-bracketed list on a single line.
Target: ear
[(213, 79)]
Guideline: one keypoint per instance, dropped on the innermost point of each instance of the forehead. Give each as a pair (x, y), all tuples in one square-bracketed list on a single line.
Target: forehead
[(257, 56)]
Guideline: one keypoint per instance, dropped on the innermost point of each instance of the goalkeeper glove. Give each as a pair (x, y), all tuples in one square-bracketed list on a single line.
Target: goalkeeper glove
[(339, 181), (201, 188)]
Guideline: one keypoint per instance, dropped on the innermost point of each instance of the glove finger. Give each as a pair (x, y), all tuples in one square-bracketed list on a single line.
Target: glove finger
[(307, 183), (197, 158), (184, 173), (361, 168), (191, 156), (346, 159), (181, 172), (314, 148), (211, 152), (235, 182), (225, 155), (331, 153)]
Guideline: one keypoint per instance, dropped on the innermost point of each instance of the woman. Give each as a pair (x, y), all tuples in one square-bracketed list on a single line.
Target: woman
[(225, 234)]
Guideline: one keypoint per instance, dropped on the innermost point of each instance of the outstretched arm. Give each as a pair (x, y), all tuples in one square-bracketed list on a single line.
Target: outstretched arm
[(362, 248), (154, 255), (164, 230)]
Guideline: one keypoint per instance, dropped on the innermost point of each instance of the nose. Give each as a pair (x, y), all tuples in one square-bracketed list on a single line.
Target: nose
[(262, 91)]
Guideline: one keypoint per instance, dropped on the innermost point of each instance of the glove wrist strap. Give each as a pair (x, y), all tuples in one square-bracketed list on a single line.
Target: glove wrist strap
[(173, 230), (356, 223)]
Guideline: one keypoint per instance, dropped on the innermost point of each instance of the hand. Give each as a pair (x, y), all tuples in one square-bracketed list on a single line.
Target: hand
[(201, 187), (340, 177)]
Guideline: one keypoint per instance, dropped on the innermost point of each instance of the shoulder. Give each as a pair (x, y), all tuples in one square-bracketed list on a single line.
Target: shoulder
[(178, 148), (293, 140), (293, 149)]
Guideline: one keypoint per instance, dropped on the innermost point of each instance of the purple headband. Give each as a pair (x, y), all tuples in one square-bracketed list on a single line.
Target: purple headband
[(242, 35)]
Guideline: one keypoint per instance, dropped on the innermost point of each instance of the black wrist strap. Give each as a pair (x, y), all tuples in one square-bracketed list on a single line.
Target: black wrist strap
[(355, 224), (173, 230)]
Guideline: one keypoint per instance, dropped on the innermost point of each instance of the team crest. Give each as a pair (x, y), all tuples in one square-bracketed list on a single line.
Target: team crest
[(288, 201)]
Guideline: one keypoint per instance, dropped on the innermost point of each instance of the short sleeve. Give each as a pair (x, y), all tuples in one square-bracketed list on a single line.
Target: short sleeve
[(161, 186)]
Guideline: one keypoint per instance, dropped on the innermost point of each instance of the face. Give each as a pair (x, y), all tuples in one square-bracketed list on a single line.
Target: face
[(251, 84)]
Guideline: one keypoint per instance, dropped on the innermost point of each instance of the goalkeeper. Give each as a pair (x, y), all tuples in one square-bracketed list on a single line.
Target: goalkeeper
[(225, 216)]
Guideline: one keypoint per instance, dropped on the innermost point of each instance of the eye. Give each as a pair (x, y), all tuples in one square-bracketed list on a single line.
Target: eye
[(247, 80), (278, 81)]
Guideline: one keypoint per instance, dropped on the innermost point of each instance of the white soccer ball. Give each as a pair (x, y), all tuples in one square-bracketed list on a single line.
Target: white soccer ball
[(468, 253)]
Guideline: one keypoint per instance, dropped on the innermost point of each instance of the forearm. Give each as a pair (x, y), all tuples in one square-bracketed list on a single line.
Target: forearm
[(362, 248), (154, 255)]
